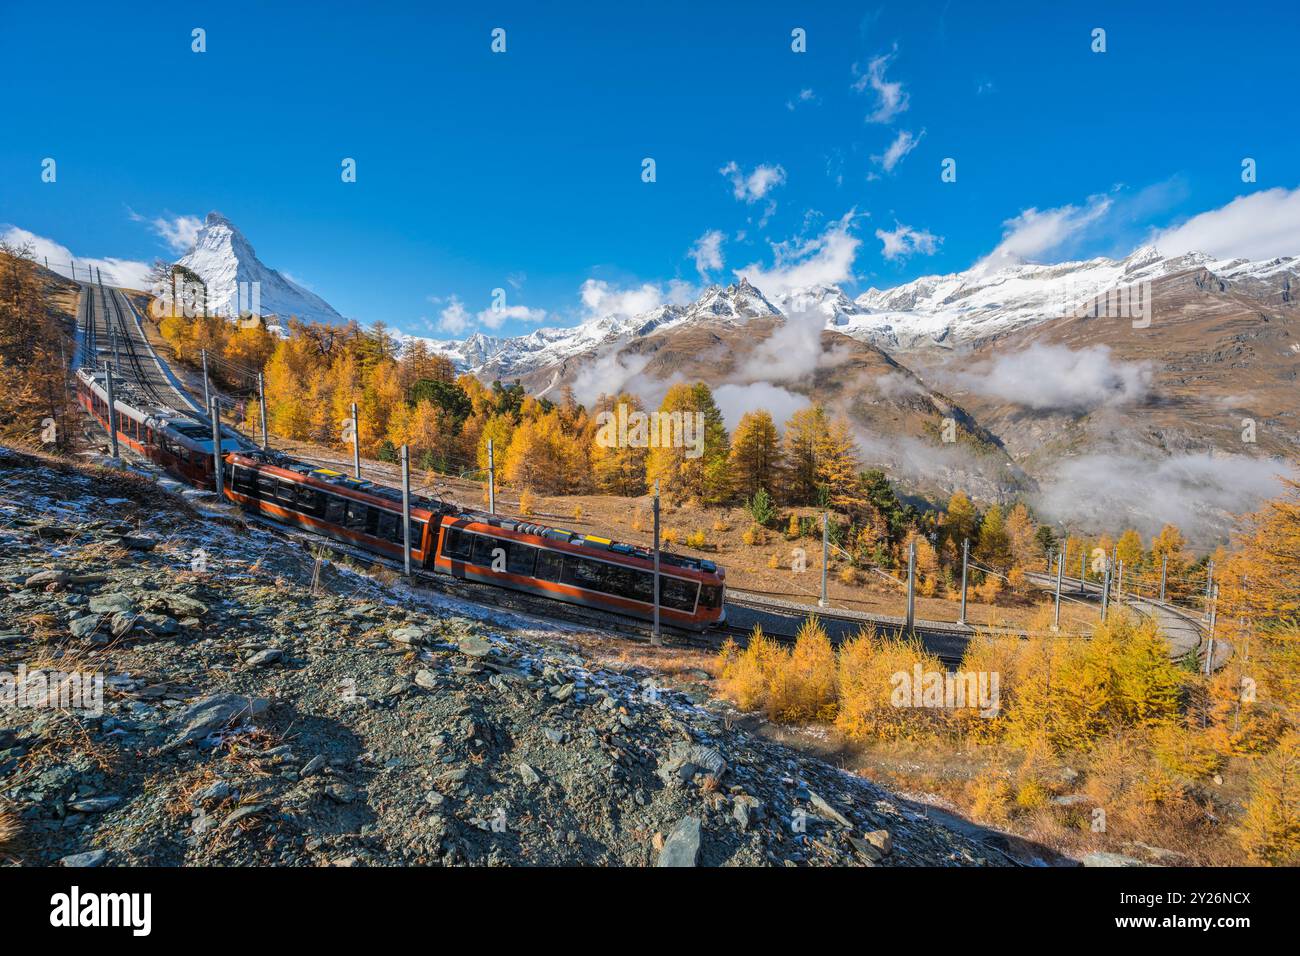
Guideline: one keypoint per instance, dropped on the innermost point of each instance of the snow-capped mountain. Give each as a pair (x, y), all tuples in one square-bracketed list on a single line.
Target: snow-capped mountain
[(971, 305), (503, 357), (224, 260), (944, 310)]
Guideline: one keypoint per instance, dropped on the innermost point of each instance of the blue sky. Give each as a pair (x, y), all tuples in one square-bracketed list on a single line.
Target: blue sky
[(523, 170)]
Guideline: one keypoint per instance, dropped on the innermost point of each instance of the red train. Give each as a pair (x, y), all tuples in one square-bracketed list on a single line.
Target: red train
[(562, 565), (174, 440)]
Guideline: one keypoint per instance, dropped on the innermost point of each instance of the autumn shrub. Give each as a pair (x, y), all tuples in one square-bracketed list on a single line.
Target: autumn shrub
[(1269, 831), (720, 526), (577, 513), (803, 682), (989, 591), (1184, 751), (847, 575), (774, 561), (792, 530), (869, 675), (746, 675), (697, 539), (526, 502), (991, 796), (1140, 798), (669, 536), (754, 535)]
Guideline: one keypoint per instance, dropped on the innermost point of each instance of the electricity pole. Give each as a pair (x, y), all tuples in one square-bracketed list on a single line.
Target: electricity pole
[(965, 561), (911, 585), (261, 406), (112, 411), (826, 552), (406, 510), (356, 445), (492, 479), (1060, 572), (214, 409), (207, 389), (654, 634)]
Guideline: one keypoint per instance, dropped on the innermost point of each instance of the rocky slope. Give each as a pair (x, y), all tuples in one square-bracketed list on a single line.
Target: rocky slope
[(247, 720)]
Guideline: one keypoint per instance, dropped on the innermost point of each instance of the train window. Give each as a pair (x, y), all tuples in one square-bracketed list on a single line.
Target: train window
[(483, 548), (417, 535), (550, 565), (335, 508), (677, 594), (711, 596), (286, 494), (520, 558), (456, 544), (309, 500), (582, 573), (266, 487), (356, 516), (243, 480), (388, 526), (615, 579)]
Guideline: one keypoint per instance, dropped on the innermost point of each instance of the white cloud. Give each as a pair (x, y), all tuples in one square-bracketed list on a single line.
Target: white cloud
[(903, 144), (1056, 377), (905, 241), (455, 318), (735, 400), (494, 318), (600, 298), (126, 273), (180, 232), (707, 251), (752, 187), (805, 96), (824, 259), (891, 98), (1036, 232), (1262, 225)]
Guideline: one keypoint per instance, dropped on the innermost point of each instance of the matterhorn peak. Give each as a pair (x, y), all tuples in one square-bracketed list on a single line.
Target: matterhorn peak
[(238, 281)]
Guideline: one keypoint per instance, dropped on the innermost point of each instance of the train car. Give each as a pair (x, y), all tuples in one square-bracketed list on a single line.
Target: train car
[(561, 565), (329, 502), (177, 441), (581, 569)]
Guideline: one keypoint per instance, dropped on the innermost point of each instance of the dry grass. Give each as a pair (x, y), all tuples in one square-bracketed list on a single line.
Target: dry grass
[(10, 830)]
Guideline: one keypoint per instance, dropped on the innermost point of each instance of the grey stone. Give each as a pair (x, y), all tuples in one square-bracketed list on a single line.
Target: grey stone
[(210, 714), (410, 635), (341, 792), (114, 603), (474, 646), (95, 804), (312, 767), (529, 775), (682, 848), (88, 859), (426, 679), (881, 840), (265, 658), (828, 811), (85, 626)]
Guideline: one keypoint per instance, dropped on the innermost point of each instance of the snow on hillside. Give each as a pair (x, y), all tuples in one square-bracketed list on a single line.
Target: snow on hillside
[(937, 309), (224, 259)]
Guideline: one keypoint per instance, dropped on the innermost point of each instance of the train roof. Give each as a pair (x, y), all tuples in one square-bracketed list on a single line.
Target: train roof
[(192, 430), (595, 542), (342, 480)]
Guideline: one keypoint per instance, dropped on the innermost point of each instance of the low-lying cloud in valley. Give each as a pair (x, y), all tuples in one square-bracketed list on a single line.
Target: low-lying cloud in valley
[(1058, 378)]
